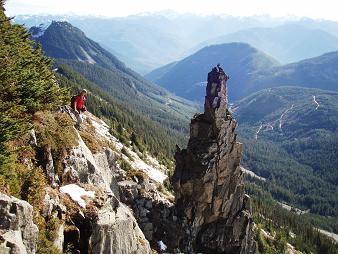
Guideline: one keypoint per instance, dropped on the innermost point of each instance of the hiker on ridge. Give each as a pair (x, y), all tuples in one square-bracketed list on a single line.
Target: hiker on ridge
[(78, 105)]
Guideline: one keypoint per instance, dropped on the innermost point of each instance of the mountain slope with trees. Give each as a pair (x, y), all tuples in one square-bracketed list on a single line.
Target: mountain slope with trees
[(318, 72), (147, 41), (187, 77), (250, 71), (76, 53), (293, 143)]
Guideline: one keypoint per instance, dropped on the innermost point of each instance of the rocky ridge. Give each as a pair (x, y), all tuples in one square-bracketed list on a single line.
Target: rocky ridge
[(109, 198), (95, 223)]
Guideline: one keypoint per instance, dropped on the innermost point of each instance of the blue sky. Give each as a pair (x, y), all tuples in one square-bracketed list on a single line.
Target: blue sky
[(322, 9)]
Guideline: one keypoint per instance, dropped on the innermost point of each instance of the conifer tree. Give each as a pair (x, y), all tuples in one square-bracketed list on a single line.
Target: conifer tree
[(26, 83)]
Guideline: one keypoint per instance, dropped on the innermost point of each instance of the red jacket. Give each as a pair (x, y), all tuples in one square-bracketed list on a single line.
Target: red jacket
[(79, 103)]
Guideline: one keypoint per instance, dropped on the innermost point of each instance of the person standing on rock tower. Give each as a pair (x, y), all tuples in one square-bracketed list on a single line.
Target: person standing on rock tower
[(78, 105), (216, 87)]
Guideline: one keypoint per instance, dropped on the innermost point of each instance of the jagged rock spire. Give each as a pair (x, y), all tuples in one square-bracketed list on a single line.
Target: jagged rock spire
[(216, 93), (210, 198)]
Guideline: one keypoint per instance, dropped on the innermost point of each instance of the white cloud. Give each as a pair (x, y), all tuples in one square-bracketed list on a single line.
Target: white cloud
[(324, 9)]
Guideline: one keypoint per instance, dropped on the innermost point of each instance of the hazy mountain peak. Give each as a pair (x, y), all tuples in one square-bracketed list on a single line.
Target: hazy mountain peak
[(239, 59)]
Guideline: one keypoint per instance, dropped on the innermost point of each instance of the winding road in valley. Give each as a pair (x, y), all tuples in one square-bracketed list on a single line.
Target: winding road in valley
[(267, 127), (314, 100), (281, 117)]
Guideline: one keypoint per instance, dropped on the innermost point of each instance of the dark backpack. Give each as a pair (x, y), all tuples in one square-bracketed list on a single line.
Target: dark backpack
[(72, 101)]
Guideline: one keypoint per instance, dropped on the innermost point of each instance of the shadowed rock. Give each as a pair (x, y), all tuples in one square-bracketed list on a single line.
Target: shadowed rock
[(210, 196)]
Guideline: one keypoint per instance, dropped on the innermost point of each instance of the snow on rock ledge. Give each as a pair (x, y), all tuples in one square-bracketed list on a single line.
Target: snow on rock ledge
[(76, 193)]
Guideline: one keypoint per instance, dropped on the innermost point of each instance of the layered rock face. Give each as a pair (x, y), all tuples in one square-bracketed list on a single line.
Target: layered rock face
[(210, 198)]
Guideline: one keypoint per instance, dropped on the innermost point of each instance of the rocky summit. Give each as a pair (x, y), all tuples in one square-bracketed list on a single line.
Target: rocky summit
[(210, 198)]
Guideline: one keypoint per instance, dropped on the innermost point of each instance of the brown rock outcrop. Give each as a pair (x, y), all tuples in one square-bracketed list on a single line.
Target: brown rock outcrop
[(210, 198)]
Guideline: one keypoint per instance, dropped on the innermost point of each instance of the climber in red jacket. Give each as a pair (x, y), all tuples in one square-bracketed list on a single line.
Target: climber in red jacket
[(78, 105)]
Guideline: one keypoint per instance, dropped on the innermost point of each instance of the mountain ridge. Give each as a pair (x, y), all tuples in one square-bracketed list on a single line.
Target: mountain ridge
[(101, 67), (239, 59), (287, 43), (318, 72)]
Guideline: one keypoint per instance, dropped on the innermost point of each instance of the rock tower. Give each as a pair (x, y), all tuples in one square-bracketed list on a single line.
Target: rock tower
[(210, 198)]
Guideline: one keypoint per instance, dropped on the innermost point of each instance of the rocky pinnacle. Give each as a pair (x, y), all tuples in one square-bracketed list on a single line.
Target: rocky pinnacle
[(210, 198)]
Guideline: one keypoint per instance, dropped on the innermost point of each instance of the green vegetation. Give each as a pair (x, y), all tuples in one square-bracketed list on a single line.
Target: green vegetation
[(124, 165), (54, 133), (27, 85), (27, 88), (284, 227), (300, 159), (126, 123), (47, 235), (185, 77)]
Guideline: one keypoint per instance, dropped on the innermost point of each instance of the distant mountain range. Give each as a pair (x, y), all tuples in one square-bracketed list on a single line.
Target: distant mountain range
[(147, 41), (291, 139), (287, 43), (69, 46), (187, 77), (318, 72), (250, 70)]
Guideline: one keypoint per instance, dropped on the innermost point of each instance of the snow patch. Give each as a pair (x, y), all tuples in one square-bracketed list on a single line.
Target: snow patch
[(76, 193), (161, 246), (149, 164), (89, 58), (252, 174)]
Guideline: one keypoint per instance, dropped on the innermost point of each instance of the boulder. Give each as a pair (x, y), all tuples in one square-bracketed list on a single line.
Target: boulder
[(116, 231), (18, 233)]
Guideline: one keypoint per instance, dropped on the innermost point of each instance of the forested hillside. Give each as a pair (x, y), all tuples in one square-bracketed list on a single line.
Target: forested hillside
[(125, 123), (293, 144), (319, 72), (187, 77), (157, 117)]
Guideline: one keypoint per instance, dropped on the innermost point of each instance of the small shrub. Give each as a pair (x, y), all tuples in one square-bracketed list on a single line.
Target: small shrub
[(124, 165), (47, 235), (52, 228), (55, 131), (33, 188), (137, 173)]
